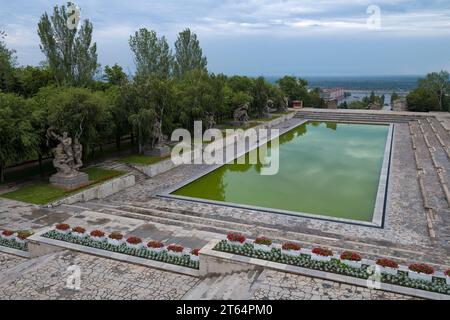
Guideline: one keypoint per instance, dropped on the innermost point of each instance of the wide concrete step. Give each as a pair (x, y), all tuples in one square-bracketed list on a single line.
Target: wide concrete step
[(236, 286), (357, 116), (198, 221)]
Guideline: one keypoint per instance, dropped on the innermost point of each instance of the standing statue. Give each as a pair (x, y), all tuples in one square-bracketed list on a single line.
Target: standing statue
[(210, 122), (267, 109), (157, 135), (241, 114), (283, 106), (67, 160), (157, 146)]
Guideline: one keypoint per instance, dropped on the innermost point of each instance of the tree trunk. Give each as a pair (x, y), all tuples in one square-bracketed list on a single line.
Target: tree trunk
[(41, 169), (118, 141), (2, 173)]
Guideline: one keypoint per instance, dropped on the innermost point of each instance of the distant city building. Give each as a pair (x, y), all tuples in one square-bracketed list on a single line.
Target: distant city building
[(332, 94)]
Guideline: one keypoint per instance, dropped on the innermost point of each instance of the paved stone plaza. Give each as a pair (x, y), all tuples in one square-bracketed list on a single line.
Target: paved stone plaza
[(410, 232)]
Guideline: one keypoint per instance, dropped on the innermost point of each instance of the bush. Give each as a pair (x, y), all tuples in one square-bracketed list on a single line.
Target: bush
[(175, 248)]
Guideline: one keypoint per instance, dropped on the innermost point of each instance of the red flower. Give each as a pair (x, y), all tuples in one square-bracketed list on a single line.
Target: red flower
[(97, 233), (175, 248), (263, 240), (155, 244), (116, 236), (447, 273), (322, 252), (134, 240), (349, 255), (387, 263), (290, 246), (7, 233), (62, 227), (421, 268), (195, 252), (79, 230), (236, 237)]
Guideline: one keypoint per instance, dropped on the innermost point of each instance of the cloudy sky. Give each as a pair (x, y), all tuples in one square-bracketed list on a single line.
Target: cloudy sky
[(262, 37)]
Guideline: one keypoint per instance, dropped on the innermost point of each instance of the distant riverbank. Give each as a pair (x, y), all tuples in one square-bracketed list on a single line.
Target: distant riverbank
[(377, 83)]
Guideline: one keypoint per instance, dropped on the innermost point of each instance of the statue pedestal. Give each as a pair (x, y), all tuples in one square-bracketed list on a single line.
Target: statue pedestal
[(160, 151), (72, 181)]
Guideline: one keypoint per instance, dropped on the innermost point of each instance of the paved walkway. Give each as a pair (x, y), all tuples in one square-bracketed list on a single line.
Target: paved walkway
[(103, 279)]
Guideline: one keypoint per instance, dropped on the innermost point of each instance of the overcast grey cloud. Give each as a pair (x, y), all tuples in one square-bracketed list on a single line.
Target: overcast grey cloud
[(268, 37)]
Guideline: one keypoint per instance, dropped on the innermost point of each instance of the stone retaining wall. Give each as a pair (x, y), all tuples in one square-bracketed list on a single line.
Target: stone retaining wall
[(99, 191)]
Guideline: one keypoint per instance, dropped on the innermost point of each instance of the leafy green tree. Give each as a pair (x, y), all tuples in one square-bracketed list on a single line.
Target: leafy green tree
[(260, 96), (394, 96), (439, 83), (115, 75), (152, 55), (71, 55), (188, 53), (294, 88), (18, 140), (7, 64), (30, 79), (422, 100), (79, 111)]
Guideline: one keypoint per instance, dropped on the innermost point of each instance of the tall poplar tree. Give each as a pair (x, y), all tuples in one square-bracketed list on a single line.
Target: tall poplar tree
[(71, 54)]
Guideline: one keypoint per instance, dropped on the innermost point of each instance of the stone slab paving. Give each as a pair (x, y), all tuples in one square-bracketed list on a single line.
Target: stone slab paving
[(8, 261), (274, 285), (101, 279)]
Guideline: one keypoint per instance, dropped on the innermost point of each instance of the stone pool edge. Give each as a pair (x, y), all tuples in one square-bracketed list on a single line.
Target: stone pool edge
[(381, 200)]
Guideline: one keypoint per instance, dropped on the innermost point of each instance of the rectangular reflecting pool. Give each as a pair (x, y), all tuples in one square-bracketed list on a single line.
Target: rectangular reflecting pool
[(326, 169)]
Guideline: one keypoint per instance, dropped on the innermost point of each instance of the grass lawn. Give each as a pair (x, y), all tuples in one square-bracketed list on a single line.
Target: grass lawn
[(43, 192), (142, 159)]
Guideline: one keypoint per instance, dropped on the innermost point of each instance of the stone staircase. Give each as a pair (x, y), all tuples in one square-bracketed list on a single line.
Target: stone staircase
[(195, 221), (235, 286), (347, 116), (113, 165), (433, 168)]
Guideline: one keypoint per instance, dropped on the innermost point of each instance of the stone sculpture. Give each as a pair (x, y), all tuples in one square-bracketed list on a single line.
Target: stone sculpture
[(283, 106), (157, 147), (210, 122), (67, 161), (241, 114)]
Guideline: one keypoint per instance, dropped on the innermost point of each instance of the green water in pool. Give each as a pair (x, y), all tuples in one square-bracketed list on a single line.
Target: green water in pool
[(326, 168)]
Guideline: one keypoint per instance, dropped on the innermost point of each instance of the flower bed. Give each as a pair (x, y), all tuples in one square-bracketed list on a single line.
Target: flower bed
[(351, 259), (133, 246), (15, 240), (321, 254), (291, 249), (236, 239), (420, 271), (447, 277), (263, 244), (387, 266), (304, 260)]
